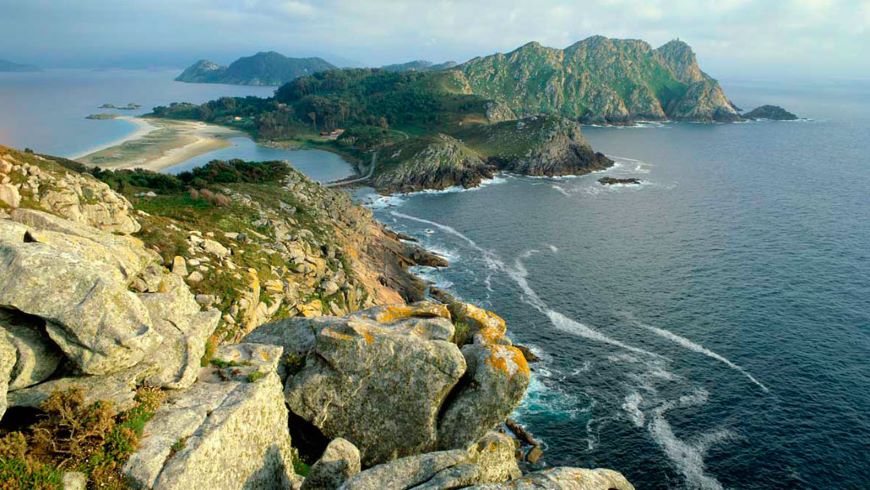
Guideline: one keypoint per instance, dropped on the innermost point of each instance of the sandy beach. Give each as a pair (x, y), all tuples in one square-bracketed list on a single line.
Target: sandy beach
[(158, 144)]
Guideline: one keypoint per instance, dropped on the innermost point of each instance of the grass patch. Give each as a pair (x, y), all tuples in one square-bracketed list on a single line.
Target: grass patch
[(73, 436)]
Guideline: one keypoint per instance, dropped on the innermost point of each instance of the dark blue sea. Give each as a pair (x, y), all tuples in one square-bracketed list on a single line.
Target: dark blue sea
[(707, 329)]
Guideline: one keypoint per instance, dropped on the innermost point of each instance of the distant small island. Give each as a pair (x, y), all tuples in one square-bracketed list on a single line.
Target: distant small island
[(772, 112), (8, 66), (615, 181), (102, 116), (264, 68), (129, 107), (419, 65)]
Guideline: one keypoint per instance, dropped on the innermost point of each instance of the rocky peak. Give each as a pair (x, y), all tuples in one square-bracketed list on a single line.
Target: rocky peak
[(680, 58)]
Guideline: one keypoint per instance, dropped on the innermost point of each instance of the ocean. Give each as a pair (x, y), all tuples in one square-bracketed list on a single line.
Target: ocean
[(709, 328)]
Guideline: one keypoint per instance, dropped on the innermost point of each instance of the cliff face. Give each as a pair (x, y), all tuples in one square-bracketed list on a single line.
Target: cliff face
[(265, 68), (434, 162), (536, 145), (601, 80)]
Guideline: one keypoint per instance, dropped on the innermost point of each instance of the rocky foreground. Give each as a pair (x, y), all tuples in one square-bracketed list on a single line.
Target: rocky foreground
[(118, 370)]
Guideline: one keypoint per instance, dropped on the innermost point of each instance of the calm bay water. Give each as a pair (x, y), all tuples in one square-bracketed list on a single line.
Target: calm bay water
[(46, 111), (708, 329)]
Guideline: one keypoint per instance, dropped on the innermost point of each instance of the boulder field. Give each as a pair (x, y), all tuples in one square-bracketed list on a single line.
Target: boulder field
[(402, 395)]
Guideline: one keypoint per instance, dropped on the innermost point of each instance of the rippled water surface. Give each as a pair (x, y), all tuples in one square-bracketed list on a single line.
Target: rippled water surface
[(709, 328)]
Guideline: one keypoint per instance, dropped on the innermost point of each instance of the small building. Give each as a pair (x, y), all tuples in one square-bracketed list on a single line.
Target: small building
[(334, 134)]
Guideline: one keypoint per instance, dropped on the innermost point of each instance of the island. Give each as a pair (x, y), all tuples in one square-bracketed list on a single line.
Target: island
[(9, 66), (263, 68), (770, 112), (411, 129), (419, 65), (129, 107)]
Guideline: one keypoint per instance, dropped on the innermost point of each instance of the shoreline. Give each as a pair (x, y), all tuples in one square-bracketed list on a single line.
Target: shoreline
[(142, 128), (160, 144)]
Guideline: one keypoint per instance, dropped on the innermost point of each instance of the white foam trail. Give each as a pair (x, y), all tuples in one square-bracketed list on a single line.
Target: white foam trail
[(519, 274), (688, 344), (562, 190), (688, 457), (631, 405), (554, 248)]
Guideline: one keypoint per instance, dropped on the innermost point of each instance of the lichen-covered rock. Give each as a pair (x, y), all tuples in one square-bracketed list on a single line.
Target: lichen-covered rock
[(119, 388), (565, 478), (7, 362), (176, 316), (495, 456), (124, 253), (36, 356), (406, 472), (83, 199), (100, 325), (459, 476), (493, 386), (339, 462), (296, 335), (217, 435), (379, 384)]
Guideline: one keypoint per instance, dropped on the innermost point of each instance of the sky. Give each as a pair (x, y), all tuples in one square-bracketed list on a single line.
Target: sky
[(732, 38)]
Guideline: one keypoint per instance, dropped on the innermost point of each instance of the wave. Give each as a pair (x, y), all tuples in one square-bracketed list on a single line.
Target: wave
[(687, 456), (692, 346)]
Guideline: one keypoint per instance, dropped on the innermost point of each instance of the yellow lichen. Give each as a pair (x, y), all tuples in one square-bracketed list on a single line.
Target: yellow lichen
[(508, 359)]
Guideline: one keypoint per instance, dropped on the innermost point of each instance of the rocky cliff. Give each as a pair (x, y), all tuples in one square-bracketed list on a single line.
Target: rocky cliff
[(601, 80), (229, 337), (536, 145)]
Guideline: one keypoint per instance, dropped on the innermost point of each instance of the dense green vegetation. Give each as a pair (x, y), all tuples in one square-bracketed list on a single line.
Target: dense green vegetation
[(342, 98), (264, 68)]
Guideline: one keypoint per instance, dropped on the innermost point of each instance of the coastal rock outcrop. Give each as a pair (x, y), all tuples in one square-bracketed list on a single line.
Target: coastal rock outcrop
[(379, 383), (36, 357), (339, 462), (388, 378), (219, 434), (565, 478), (436, 162)]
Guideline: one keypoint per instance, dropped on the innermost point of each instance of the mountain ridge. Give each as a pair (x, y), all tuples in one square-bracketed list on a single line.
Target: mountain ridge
[(601, 80), (265, 68)]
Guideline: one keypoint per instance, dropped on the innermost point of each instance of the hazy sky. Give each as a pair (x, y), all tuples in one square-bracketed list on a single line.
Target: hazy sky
[(736, 38)]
